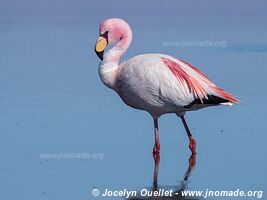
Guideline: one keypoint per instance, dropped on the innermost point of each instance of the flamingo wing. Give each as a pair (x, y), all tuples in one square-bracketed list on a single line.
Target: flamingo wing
[(203, 89)]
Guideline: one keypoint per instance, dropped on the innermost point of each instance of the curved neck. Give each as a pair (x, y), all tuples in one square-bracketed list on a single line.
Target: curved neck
[(114, 54), (108, 68)]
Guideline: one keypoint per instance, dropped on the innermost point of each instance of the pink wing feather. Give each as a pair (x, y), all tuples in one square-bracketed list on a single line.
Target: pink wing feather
[(197, 82)]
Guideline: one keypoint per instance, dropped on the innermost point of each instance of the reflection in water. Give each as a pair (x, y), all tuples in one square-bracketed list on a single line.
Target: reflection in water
[(177, 193), (156, 171)]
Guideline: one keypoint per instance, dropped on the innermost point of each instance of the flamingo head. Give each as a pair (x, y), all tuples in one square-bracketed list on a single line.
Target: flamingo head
[(112, 31)]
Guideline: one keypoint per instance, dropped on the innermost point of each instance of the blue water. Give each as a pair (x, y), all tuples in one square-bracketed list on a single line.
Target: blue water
[(52, 100)]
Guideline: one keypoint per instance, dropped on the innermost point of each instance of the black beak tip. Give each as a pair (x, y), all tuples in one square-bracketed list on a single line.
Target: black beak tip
[(100, 54)]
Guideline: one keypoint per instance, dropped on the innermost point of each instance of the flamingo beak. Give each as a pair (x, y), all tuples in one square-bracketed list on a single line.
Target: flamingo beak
[(100, 46)]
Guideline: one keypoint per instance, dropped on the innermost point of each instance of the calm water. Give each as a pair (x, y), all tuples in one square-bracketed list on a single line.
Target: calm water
[(52, 101)]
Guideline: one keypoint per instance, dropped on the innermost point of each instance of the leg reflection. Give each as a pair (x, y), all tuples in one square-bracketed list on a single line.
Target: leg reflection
[(177, 191), (191, 165), (156, 171)]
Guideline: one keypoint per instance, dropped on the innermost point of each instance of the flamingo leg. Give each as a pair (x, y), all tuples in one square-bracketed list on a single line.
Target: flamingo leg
[(192, 144), (156, 148)]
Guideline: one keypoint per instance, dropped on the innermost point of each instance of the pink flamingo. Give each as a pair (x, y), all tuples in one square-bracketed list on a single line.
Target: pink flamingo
[(156, 83)]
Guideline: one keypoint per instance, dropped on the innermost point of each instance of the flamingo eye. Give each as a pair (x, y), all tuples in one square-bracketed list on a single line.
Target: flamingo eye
[(105, 35)]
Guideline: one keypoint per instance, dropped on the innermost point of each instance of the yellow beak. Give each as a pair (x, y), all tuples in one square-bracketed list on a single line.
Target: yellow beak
[(100, 46)]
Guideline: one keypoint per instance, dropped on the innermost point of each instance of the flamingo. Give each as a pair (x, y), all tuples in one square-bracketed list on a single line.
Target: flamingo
[(153, 82)]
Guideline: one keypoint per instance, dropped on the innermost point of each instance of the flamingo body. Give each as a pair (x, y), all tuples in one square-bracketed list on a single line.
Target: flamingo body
[(161, 84)]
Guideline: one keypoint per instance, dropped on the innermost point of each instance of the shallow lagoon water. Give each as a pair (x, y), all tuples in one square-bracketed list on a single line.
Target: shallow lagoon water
[(52, 101)]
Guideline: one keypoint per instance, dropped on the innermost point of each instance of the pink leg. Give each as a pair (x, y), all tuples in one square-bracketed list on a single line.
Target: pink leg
[(156, 148), (192, 142), (192, 145)]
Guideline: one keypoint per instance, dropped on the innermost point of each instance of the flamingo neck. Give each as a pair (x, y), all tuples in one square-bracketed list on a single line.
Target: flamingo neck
[(114, 54), (109, 66)]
